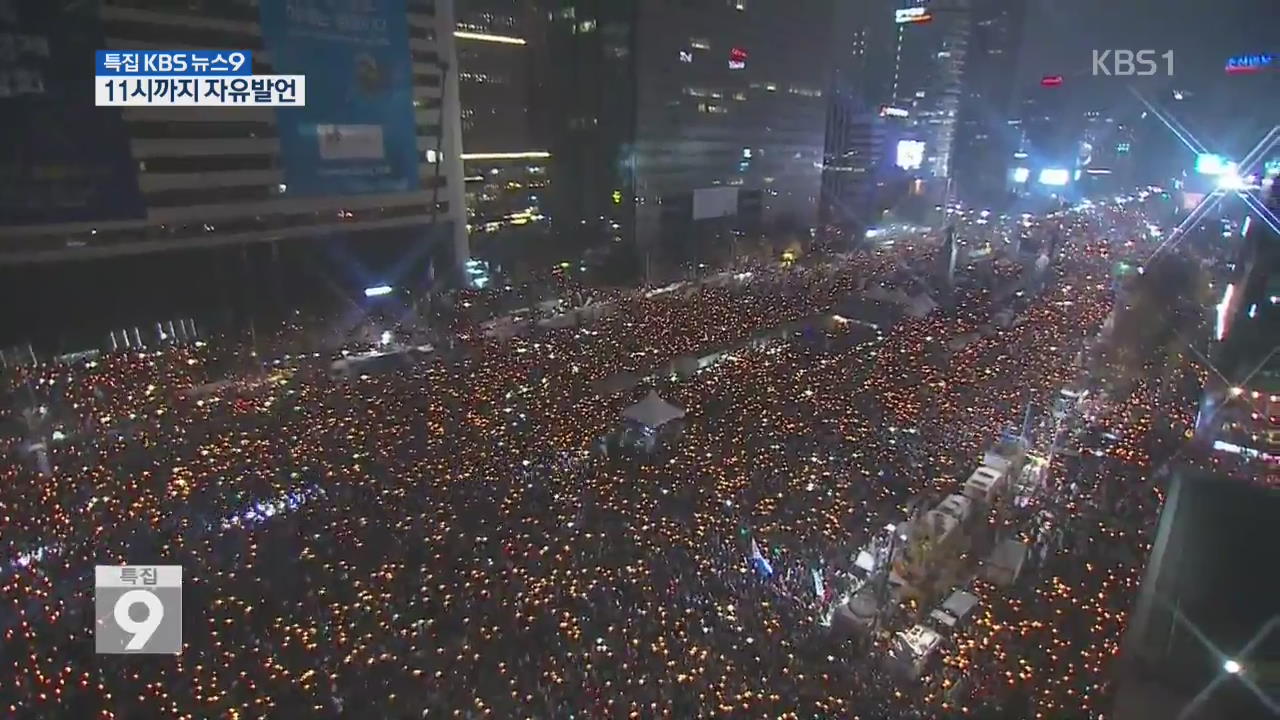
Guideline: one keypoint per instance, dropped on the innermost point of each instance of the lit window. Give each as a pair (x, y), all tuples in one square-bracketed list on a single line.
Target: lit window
[(739, 96), (740, 5), (771, 87), (700, 43), (586, 26)]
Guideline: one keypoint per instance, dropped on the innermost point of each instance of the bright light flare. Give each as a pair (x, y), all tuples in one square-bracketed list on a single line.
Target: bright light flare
[(1211, 164), (1224, 308), (1055, 177), (486, 37), (1229, 179)]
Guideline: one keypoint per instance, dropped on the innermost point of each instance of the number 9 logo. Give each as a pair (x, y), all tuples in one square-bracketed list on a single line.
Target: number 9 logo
[(141, 631)]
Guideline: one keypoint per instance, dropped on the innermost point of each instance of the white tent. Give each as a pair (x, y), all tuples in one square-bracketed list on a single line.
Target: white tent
[(617, 382), (959, 605), (957, 506), (653, 411), (1005, 563), (920, 305)]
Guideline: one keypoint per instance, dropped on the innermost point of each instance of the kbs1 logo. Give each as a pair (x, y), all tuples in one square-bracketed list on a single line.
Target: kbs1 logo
[(1126, 63), (137, 609)]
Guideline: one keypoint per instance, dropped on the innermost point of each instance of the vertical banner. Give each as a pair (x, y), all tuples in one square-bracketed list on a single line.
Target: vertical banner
[(61, 158), (357, 132)]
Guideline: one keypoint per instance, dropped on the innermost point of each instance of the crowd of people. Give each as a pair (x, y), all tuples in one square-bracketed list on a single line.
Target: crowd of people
[(445, 538)]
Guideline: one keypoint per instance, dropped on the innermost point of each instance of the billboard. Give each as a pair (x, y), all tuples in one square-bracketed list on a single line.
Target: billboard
[(910, 154), (1210, 164), (904, 16), (715, 202), (1055, 177), (61, 158), (356, 133)]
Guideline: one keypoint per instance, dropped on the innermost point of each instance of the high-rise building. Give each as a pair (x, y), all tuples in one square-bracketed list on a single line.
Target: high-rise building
[(689, 125), (856, 149), (928, 75), (1047, 139), (591, 123), (984, 140), (896, 91), (185, 209), (731, 115), (501, 55), (1240, 410)]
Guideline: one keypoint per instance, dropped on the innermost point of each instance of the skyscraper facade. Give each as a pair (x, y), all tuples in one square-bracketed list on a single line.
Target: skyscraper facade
[(682, 127), (501, 69), (928, 75), (731, 115), (590, 124), (985, 142), (852, 147), (221, 195)]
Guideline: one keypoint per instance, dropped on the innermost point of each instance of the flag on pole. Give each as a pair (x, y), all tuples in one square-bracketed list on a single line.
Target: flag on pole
[(759, 561)]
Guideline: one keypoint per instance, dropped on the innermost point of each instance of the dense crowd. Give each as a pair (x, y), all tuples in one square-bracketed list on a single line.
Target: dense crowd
[(447, 538)]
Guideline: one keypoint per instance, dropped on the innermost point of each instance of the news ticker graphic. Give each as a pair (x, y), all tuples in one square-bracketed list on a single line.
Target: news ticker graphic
[(190, 78), (190, 63), (250, 90), (137, 609)]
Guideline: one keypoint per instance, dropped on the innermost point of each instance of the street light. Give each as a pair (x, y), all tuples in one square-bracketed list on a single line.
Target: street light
[(1232, 667)]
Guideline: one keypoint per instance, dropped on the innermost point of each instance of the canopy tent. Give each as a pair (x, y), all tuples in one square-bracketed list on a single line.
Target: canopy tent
[(919, 641), (920, 305), (957, 506), (617, 382), (1005, 563), (652, 411), (959, 605)]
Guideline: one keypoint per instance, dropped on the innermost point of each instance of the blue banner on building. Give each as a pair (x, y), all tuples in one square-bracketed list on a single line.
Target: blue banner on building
[(61, 158), (357, 132)]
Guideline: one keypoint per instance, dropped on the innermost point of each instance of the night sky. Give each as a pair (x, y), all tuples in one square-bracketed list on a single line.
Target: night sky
[(1228, 112)]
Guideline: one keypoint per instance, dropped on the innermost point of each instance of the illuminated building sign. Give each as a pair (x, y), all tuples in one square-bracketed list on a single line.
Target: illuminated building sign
[(890, 111), (911, 15), (1250, 63), (686, 56), (1242, 450), (1051, 80), (1210, 164), (1055, 177), (910, 154), (737, 59)]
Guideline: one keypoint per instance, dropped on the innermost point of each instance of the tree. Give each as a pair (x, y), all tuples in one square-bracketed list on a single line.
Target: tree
[(1159, 309)]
